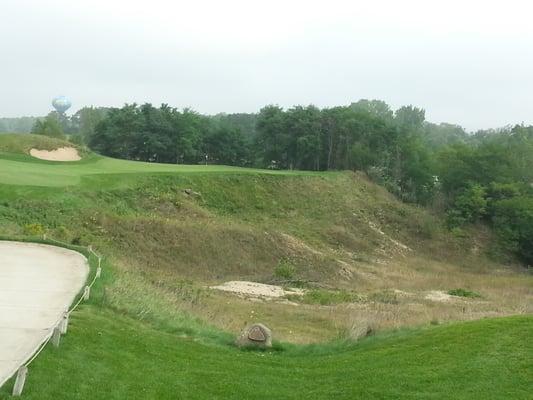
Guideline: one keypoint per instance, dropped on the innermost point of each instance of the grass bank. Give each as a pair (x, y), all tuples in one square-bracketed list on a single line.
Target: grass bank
[(108, 356)]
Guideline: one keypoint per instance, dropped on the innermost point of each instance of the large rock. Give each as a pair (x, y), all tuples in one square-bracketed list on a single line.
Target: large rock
[(256, 335)]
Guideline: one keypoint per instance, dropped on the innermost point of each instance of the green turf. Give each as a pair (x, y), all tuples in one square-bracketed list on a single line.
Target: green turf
[(132, 342), (106, 356), (18, 168)]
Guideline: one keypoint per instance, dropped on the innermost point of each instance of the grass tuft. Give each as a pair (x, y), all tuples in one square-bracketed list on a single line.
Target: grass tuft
[(464, 293)]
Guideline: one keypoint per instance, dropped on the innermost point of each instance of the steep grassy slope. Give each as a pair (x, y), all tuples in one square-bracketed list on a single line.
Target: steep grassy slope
[(16, 143), (106, 356), (367, 261), (170, 231)]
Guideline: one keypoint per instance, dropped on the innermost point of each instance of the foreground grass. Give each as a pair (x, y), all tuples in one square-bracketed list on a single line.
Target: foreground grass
[(107, 356)]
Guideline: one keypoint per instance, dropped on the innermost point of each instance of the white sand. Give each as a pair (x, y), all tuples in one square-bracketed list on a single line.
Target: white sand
[(256, 289), (37, 284), (61, 154)]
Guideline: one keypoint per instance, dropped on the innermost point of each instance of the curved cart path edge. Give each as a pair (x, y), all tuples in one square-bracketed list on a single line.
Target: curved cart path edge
[(38, 282)]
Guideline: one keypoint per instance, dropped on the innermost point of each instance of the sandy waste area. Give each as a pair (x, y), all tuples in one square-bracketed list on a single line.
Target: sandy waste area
[(257, 289)]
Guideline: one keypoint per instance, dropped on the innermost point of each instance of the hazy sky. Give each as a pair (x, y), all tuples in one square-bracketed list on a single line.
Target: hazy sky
[(467, 62)]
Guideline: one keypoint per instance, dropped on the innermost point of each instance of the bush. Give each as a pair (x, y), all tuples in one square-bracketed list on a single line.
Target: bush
[(285, 270), (469, 206), (463, 293), (329, 297), (513, 220), (34, 229)]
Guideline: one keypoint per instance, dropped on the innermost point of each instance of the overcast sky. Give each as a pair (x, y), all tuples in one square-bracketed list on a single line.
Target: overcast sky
[(466, 62)]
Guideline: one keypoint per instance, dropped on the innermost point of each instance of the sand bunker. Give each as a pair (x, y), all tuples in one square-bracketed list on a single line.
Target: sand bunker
[(61, 154), (256, 289)]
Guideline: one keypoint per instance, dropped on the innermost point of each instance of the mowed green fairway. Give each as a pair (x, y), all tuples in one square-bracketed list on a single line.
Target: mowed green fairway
[(19, 168), (106, 356), (25, 170)]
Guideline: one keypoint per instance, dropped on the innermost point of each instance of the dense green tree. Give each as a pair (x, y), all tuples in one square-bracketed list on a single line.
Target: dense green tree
[(410, 117), (470, 205), (17, 125), (226, 146), (513, 219), (272, 141), (377, 108), (486, 177), (85, 120), (441, 135), (49, 126)]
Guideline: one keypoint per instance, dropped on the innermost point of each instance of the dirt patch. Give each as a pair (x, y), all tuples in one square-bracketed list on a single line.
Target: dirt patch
[(397, 244), (438, 295), (299, 246), (256, 289), (61, 154)]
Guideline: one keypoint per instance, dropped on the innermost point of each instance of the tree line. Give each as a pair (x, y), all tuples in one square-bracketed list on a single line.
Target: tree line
[(486, 176)]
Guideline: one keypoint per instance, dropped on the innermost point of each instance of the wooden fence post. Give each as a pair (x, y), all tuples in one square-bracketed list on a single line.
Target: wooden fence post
[(64, 323), (19, 382), (86, 293), (56, 337)]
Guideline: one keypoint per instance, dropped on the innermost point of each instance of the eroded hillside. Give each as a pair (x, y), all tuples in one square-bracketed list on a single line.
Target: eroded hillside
[(364, 260)]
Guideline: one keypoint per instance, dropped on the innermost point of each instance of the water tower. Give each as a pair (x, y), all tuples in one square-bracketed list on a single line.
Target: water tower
[(61, 104)]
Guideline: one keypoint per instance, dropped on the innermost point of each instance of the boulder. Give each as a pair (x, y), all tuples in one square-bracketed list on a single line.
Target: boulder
[(256, 335)]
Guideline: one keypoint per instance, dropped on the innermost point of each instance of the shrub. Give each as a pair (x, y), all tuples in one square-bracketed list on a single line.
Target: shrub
[(470, 205), (285, 270), (329, 297), (34, 229), (513, 220), (463, 293)]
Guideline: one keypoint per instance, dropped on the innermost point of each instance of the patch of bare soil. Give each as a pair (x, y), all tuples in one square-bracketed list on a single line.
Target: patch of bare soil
[(61, 154), (400, 246), (297, 245), (256, 289), (439, 295)]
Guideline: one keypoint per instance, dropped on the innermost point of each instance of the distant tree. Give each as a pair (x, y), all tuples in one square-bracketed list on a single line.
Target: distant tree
[(437, 136), (17, 125), (410, 117), (85, 120), (49, 126), (513, 220), (302, 126), (226, 146), (470, 205), (377, 108), (272, 141), (245, 122)]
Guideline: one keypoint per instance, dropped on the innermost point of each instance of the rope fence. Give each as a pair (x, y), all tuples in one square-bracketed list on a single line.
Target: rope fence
[(60, 326)]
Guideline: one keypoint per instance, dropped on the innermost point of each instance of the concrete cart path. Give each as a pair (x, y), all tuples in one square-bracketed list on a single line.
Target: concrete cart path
[(37, 284)]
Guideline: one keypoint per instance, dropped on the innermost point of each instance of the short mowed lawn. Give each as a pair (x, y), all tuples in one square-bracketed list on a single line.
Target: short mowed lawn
[(108, 356)]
